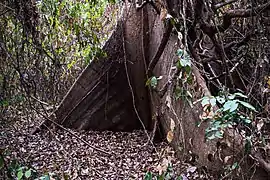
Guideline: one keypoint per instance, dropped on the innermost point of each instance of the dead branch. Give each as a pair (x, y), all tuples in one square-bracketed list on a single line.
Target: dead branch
[(228, 46), (231, 14), (201, 81), (224, 3)]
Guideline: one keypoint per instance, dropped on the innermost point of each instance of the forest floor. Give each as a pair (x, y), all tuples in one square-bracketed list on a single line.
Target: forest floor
[(129, 155)]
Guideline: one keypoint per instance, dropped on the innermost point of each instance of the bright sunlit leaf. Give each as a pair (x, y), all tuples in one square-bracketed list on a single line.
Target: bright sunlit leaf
[(170, 136)]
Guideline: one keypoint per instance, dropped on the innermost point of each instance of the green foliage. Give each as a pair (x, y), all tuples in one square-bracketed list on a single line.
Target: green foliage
[(167, 175), (229, 113), (16, 170), (70, 29), (152, 82), (45, 48), (184, 59), (13, 100), (185, 77), (230, 168)]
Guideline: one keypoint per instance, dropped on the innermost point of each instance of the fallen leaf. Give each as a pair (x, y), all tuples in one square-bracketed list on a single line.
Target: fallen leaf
[(227, 158), (260, 124), (170, 136), (163, 14), (192, 169)]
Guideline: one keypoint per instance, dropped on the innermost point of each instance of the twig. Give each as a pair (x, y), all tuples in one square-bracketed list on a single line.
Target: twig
[(229, 15), (42, 102), (221, 4), (214, 74), (4, 12), (7, 6), (238, 44)]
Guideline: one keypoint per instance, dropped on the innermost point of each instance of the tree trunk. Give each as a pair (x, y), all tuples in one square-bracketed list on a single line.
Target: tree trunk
[(111, 93)]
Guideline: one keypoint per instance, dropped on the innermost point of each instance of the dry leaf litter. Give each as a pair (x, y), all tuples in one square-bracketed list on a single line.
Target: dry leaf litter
[(128, 156)]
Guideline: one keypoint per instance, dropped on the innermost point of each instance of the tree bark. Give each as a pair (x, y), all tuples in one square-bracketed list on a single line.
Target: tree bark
[(111, 93)]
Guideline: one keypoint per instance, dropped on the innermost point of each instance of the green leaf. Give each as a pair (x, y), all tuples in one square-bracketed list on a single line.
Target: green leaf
[(178, 65), (247, 121), (205, 101), (247, 105), (178, 92), (213, 102), (20, 174), (235, 165), (219, 134), (14, 165), (161, 177), (188, 71), (230, 105), (180, 178), (148, 176), (220, 99), (190, 79), (4, 103), (240, 94), (152, 82), (234, 106), (45, 177), (27, 174), (70, 65), (180, 52), (185, 62), (211, 136)]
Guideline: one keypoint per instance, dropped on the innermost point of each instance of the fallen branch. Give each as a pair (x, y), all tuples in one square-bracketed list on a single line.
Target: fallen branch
[(237, 44), (41, 102)]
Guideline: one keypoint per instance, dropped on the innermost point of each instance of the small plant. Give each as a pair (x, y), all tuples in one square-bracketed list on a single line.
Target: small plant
[(166, 175), (229, 113), (185, 78), (16, 170), (24, 173), (230, 168), (153, 82)]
